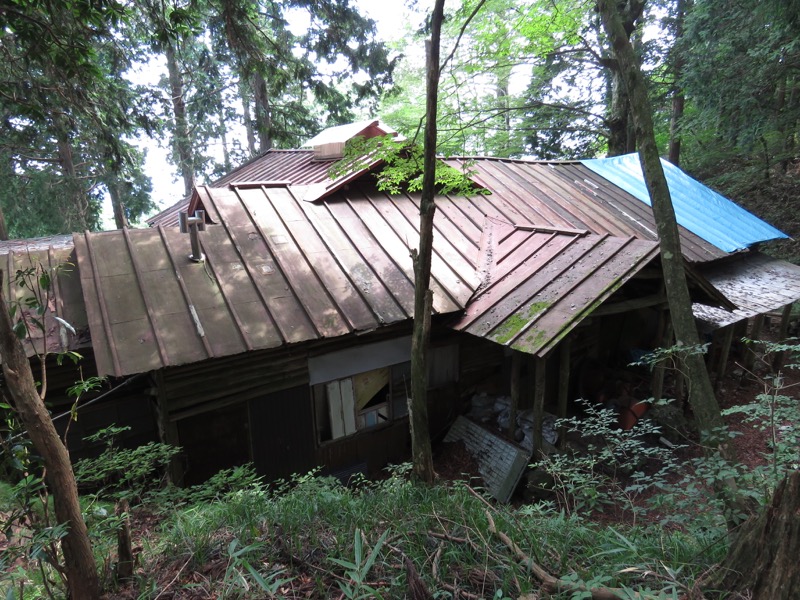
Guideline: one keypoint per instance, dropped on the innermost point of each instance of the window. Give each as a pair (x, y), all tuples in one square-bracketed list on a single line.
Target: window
[(362, 401), (356, 402)]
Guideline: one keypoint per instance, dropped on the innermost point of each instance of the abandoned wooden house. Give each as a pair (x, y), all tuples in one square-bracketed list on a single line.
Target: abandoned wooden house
[(276, 328)]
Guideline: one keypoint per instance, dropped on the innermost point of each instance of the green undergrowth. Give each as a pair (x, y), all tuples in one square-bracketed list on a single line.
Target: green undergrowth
[(314, 537)]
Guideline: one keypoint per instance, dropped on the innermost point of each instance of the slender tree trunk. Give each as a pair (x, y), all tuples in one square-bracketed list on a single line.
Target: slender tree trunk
[(79, 561), (678, 97), (621, 139), (117, 204), (248, 118), (701, 392), (263, 113), (423, 296), (181, 135), (3, 229), (76, 215)]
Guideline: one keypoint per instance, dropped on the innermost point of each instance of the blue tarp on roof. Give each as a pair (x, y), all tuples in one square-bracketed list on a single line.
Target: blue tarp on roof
[(698, 208)]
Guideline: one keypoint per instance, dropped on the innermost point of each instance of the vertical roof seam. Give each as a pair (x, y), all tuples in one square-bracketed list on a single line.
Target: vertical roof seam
[(103, 308), (564, 292), (183, 288), (274, 255), (259, 291)]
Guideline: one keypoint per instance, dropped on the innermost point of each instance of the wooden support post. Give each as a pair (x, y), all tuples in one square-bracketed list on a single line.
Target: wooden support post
[(724, 354), (563, 386), (780, 357), (516, 386), (659, 370), (755, 334), (167, 429), (538, 405)]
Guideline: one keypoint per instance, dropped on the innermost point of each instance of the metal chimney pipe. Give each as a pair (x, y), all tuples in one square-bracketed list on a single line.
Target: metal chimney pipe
[(193, 225)]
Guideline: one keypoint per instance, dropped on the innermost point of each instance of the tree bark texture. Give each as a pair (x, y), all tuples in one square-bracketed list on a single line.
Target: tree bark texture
[(701, 392), (423, 297), (263, 113), (621, 139), (182, 135), (79, 561), (762, 561), (678, 98), (120, 218)]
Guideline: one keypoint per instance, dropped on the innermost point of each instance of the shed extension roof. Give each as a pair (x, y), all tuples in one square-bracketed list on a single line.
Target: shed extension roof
[(755, 283), (698, 208), (570, 195)]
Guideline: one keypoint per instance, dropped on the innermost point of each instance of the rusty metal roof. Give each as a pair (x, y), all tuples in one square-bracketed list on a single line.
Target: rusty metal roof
[(277, 271), (568, 194), (280, 270), (65, 325), (756, 283), (297, 167), (539, 284)]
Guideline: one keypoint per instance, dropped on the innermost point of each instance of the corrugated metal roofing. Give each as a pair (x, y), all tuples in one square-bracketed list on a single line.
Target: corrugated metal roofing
[(64, 298), (541, 283), (698, 208), (756, 283)]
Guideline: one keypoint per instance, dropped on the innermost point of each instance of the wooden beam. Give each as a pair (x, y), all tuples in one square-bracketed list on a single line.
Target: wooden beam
[(724, 354), (538, 405), (564, 356), (754, 335), (628, 305), (516, 386), (664, 339), (783, 333), (167, 428)]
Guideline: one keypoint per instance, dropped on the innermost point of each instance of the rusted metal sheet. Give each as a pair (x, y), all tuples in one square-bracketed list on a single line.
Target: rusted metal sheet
[(65, 325), (569, 195), (755, 283), (277, 271), (538, 285), (295, 166)]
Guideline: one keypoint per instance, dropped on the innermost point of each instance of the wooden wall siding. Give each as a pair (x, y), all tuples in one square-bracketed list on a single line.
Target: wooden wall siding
[(282, 433), (133, 409), (215, 440), (481, 365), (199, 387), (377, 447)]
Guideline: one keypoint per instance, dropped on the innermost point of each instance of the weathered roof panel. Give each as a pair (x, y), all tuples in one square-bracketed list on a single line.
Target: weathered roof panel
[(541, 284), (570, 195), (63, 299), (755, 283), (697, 207)]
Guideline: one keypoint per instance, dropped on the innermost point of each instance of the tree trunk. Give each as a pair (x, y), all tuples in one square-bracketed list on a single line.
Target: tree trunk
[(3, 229), (248, 119), (120, 218), (263, 113), (762, 561), (182, 139), (620, 138), (701, 393), (678, 98), (423, 297), (79, 561)]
